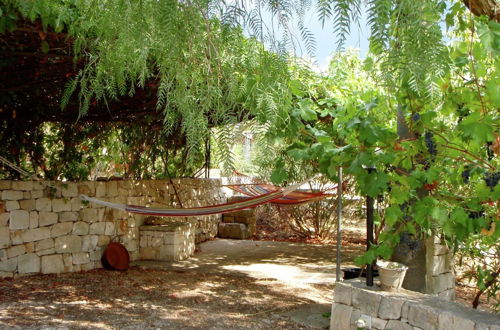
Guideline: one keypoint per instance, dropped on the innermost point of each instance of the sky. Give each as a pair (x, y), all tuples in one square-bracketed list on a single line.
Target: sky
[(326, 41)]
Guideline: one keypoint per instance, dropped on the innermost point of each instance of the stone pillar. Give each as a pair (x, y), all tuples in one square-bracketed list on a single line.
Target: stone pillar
[(439, 277), (429, 266)]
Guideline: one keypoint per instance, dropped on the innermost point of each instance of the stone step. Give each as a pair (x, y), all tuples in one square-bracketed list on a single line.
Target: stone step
[(234, 231), (230, 218)]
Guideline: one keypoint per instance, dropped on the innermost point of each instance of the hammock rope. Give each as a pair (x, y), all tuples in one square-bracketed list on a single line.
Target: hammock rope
[(19, 170), (199, 211), (294, 197)]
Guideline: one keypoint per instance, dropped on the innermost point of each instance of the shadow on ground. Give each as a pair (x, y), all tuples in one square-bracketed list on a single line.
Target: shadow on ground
[(229, 285), (298, 265)]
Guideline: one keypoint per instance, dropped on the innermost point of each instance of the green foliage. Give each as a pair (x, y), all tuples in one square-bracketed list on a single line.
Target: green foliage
[(349, 119), (478, 257), (206, 72), (421, 113), (82, 151)]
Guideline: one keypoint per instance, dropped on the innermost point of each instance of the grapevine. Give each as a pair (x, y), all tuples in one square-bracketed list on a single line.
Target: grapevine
[(492, 179), (466, 174), (429, 142)]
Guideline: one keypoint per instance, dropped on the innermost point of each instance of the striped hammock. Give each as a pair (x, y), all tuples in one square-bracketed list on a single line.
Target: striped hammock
[(293, 198), (199, 211)]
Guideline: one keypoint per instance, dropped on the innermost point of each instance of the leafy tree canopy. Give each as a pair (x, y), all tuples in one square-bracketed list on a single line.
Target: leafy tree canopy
[(419, 110), (204, 73), (428, 126)]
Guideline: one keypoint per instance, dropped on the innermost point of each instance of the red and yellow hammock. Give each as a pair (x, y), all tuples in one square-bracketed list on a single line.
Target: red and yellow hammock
[(292, 198), (250, 202), (258, 194)]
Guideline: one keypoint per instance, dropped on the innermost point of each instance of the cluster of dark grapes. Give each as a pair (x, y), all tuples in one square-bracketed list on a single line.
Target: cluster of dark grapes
[(429, 142), (466, 174), (492, 179), (410, 240), (476, 214), (415, 117), (405, 207)]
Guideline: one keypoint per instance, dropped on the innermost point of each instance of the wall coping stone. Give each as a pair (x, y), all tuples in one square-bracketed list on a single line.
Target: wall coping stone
[(415, 304), (170, 226)]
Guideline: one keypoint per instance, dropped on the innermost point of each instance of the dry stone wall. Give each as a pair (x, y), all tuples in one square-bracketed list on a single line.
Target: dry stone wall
[(440, 278), (357, 306), (46, 228)]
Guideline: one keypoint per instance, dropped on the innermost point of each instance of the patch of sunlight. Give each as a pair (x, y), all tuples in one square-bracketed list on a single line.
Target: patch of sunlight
[(77, 302), (285, 273), (188, 263), (85, 324), (281, 272)]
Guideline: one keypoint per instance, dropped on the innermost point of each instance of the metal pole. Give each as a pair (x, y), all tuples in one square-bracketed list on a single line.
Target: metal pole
[(339, 222), (207, 157), (369, 234)]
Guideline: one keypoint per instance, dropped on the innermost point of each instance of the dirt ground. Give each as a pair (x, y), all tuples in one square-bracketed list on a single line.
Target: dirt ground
[(254, 284), (145, 299), (228, 285)]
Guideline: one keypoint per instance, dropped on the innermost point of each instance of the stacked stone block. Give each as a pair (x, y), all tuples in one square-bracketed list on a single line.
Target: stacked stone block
[(430, 268), (356, 304), (239, 224), (49, 230), (440, 278), (35, 231), (169, 242)]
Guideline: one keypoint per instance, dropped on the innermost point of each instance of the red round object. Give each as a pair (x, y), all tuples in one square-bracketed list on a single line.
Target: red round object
[(116, 256)]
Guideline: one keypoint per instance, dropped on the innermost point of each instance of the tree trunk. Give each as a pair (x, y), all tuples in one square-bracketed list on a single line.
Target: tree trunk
[(410, 252), (490, 8)]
